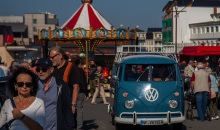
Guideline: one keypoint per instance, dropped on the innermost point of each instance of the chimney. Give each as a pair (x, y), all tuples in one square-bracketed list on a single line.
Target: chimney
[(215, 10)]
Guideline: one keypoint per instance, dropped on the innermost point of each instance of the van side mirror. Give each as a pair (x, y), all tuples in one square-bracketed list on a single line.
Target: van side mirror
[(114, 78)]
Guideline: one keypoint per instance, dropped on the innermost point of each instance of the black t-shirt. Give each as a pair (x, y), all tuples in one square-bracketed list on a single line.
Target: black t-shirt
[(92, 70), (82, 86), (74, 75)]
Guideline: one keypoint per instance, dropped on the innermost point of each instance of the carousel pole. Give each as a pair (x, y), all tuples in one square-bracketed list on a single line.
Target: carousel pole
[(87, 63)]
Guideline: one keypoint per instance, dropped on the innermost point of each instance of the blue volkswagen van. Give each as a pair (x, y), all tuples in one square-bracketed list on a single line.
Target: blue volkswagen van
[(148, 90)]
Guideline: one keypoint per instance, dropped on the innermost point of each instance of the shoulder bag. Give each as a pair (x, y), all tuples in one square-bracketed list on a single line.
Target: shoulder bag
[(8, 124)]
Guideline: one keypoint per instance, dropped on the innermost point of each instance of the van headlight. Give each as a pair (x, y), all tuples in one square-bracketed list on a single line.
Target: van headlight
[(129, 104), (173, 103)]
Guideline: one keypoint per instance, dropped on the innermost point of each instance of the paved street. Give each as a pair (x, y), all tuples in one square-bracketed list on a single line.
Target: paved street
[(97, 118)]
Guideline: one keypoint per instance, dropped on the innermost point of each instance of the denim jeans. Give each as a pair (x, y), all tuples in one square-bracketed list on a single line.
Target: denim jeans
[(201, 104)]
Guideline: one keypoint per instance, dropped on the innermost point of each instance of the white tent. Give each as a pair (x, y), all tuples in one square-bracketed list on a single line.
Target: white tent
[(6, 57)]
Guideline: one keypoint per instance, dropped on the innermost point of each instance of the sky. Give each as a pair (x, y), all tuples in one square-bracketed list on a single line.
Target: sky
[(129, 13)]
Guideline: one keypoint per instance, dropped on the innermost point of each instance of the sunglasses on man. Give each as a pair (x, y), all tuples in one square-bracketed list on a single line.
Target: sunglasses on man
[(27, 84), (43, 69)]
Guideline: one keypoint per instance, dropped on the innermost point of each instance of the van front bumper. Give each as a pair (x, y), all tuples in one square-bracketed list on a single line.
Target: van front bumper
[(136, 118)]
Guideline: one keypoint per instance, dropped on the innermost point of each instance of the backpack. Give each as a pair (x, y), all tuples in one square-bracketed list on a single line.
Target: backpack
[(67, 72)]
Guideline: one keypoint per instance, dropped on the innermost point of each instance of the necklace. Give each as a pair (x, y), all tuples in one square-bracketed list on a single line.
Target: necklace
[(23, 102)]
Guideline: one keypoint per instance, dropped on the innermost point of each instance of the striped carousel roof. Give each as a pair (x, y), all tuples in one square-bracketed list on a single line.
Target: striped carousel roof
[(85, 17)]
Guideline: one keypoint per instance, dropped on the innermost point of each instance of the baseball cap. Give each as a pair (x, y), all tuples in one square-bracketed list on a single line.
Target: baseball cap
[(45, 62), (191, 61)]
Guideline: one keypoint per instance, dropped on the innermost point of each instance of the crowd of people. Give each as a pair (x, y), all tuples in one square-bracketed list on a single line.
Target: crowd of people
[(49, 93), (201, 80)]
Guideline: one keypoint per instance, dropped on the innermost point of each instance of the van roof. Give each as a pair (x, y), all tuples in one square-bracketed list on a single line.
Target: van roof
[(148, 59)]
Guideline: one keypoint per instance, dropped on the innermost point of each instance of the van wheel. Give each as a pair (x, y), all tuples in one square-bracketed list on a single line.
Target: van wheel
[(177, 126), (119, 126)]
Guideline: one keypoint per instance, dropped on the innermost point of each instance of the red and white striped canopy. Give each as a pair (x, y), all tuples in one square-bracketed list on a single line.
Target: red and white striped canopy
[(85, 17)]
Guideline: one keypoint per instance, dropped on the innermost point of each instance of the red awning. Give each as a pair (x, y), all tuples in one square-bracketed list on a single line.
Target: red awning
[(201, 50)]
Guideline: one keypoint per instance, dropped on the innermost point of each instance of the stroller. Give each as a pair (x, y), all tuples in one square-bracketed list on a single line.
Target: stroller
[(191, 102)]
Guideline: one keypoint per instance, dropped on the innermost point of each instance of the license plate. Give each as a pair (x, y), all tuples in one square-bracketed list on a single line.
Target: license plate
[(155, 122)]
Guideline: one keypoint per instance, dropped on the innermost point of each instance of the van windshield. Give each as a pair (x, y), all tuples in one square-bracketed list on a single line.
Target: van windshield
[(152, 72)]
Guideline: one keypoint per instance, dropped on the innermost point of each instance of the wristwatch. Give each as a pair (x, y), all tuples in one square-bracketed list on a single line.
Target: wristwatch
[(74, 105)]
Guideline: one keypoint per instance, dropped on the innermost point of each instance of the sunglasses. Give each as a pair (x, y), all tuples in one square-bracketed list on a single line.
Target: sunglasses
[(43, 69), (54, 56), (27, 84)]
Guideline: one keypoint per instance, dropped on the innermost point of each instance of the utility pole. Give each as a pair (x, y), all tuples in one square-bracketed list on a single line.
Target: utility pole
[(176, 16)]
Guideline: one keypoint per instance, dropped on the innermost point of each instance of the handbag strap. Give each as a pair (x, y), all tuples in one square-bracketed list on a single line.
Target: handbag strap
[(14, 106), (12, 103)]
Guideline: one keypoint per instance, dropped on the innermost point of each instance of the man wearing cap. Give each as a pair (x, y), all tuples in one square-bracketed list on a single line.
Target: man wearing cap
[(200, 84), (56, 96), (188, 71)]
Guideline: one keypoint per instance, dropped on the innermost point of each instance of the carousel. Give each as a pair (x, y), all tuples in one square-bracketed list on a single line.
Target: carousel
[(86, 28)]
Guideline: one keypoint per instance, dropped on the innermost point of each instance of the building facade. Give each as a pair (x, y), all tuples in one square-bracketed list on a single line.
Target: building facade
[(141, 37), (25, 33), (154, 39), (178, 17), (25, 28), (39, 21), (206, 33)]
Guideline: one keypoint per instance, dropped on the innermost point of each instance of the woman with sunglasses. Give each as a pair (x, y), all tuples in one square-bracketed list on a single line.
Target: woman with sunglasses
[(29, 113)]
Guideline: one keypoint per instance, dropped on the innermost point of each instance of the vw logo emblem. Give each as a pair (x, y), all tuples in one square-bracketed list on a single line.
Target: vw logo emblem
[(151, 95)]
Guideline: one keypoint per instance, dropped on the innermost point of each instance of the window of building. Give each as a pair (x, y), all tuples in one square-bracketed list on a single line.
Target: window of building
[(34, 29), (212, 29), (194, 30), (203, 30), (199, 30), (34, 20), (207, 30), (216, 29)]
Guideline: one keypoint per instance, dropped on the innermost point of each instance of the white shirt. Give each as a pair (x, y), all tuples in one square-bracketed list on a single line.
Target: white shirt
[(196, 69), (35, 111)]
